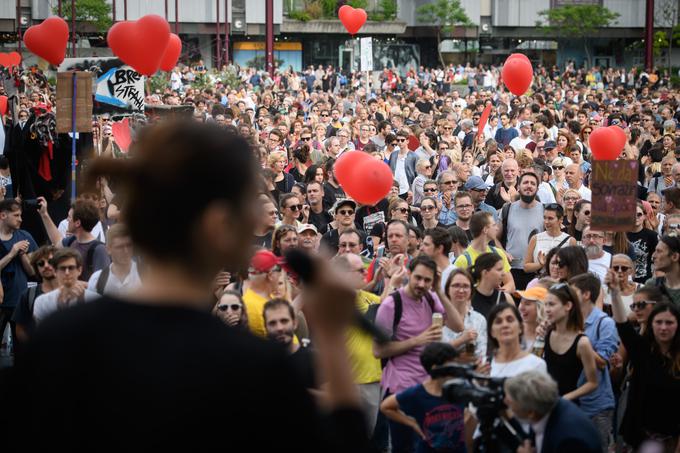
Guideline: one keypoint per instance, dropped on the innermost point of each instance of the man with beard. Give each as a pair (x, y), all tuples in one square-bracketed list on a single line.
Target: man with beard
[(308, 238), (599, 260), (521, 220), (280, 323)]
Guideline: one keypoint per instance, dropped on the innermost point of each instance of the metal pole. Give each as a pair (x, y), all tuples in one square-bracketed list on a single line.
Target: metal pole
[(125, 9), (226, 31), (113, 11), (59, 8), (649, 34), (73, 139), (218, 40), (269, 36), (73, 30), (19, 39), (177, 17), (166, 10)]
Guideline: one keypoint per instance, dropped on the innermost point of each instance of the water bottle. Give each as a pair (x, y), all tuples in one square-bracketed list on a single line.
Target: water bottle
[(539, 346)]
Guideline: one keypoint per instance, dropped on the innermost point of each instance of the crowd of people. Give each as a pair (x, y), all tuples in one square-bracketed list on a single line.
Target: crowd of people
[(481, 255)]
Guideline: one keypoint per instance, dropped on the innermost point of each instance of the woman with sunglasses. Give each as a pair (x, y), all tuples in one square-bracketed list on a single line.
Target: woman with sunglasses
[(229, 308), (290, 208), (581, 219), (568, 351), (558, 181), (644, 240), (553, 237), (569, 199), (654, 394), (459, 286), (429, 213)]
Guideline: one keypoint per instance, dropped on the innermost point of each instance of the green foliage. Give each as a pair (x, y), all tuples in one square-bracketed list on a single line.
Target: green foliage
[(314, 9), (576, 21), (387, 10), (159, 81), (96, 12), (299, 15), (660, 42), (358, 3), (445, 14), (676, 35), (330, 7)]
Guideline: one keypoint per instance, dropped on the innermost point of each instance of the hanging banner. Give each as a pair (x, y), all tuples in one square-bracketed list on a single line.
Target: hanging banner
[(117, 87), (614, 199)]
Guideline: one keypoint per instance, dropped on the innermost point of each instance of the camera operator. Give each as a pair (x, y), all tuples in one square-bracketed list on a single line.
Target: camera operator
[(557, 425), (438, 423)]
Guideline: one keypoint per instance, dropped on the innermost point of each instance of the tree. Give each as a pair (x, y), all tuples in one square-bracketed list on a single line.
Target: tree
[(445, 15), (666, 17), (576, 22), (96, 12)]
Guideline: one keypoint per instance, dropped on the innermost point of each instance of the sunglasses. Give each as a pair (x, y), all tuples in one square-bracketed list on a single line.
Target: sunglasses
[(621, 268), (558, 167), (430, 190), (641, 305), (41, 263), (401, 139), (448, 128), (295, 207), (344, 212), (402, 210), (451, 182), (427, 208), (233, 307), (305, 138)]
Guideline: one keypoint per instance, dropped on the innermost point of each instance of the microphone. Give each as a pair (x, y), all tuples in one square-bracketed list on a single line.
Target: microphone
[(300, 263)]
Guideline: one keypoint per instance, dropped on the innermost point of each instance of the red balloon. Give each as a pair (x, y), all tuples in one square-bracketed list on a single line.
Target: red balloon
[(517, 75), (620, 138), (605, 143), (370, 182), (121, 134), (519, 55), (48, 40), (172, 53), (3, 105), (9, 60), (353, 19), (346, 164), (142, 43)]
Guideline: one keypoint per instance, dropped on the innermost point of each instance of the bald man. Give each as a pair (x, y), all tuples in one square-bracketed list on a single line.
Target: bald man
[(506, 190), (574, 177)]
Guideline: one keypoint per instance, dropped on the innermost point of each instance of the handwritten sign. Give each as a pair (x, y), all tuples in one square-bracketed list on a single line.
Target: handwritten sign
[(65, 101), (614, 186), (117, 87)]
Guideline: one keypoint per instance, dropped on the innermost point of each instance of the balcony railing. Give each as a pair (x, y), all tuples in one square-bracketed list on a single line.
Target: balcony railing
[(305, 10)]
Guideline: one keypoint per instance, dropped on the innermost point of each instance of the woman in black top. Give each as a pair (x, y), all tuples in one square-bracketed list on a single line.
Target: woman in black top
[(568, 351), (488, 274), (150, 372), (654, 394)]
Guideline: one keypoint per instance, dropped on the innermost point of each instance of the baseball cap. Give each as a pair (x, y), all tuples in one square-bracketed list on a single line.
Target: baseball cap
[(526, 124), (307, 227), (475, 183), (264, 261), (343, 202), (535, 293), (550, 144)]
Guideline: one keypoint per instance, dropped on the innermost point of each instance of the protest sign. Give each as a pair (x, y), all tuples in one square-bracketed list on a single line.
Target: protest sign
[(614, 186), (65, 101), (117, 87)]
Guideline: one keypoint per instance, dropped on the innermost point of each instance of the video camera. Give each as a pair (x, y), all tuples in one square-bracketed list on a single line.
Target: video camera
[(499, 433)]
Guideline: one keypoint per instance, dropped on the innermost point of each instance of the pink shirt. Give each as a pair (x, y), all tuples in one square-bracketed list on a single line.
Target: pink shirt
[(404, 371)]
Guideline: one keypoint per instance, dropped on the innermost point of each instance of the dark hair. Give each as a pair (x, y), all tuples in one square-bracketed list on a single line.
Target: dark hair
[(652, 293), (41, 254), (574, 259), (478, 222), (220, 166), (565, 293), (556, 208), (458, 236), (243, 320), (493, 314), (440, 237), (673, 362), (87, 212), (64, 254), (273, 304), (548, 257), (285, 197), (529, 173), (484, 262), (587, 282), (423, 260), (437, 354), (672, 194), (9, 205), (458, 271), (310, 174), (672, 242)]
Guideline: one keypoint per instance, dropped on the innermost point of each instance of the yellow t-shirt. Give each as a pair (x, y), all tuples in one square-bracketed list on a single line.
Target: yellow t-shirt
[(462, 261), (255, 308), (366, 368)]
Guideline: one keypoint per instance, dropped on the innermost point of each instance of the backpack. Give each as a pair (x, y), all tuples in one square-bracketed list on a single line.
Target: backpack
[(32, 294), (88, 268), (103, 278), (468, 258)]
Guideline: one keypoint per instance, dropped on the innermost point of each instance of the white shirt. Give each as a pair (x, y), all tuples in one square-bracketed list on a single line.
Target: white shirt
[(400, 175), (510, 369), (97, 231), (114, 285), (545, 193), (473, 321), (585, 192), (539, 431), (518, 143), (600, 266), (545, 242), (47, 303)]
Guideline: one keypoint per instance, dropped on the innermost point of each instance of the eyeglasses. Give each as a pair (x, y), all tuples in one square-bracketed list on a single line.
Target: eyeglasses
[(430, 189), (641, 305), (295, 207), (451, 182), (67, 268), (558, 167), (427, 167), (324, 114), (41, 263), (233, 307), (402, 210), (346, 212), (273, 213), (621, 268), (305, 138), (571, 199), (427, 208)]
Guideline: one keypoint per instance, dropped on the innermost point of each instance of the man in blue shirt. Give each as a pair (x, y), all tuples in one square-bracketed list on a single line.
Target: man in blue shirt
[(448, 184), (601, 331), (15, 265)]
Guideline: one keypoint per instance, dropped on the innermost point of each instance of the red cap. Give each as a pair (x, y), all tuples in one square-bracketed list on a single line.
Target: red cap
[(264, 261)]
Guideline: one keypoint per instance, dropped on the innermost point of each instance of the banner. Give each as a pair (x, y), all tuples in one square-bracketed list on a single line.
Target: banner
[(117, 87), (65, 102), (614, 186), (367, 54)]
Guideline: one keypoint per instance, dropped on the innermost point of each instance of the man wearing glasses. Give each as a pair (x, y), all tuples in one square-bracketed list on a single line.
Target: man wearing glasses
[(477, 189), (448, 184), (403, 164), (344, 214), (364, 137), (599, 260)]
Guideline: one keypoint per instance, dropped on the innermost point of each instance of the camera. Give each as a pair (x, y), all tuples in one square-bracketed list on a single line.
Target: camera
[(498, 433), (31, 203)]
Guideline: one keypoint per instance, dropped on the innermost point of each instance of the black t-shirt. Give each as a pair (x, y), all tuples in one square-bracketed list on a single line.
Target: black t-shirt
[(644, 242), (264, 241), (23, 313), (483, 304), (424, 106), (302, 361), (116, 375), (320, 220), (368, 216)]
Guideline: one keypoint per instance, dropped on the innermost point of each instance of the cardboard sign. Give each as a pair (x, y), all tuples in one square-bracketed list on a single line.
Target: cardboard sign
[(117, 87), (65, 101), (614, 186)]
